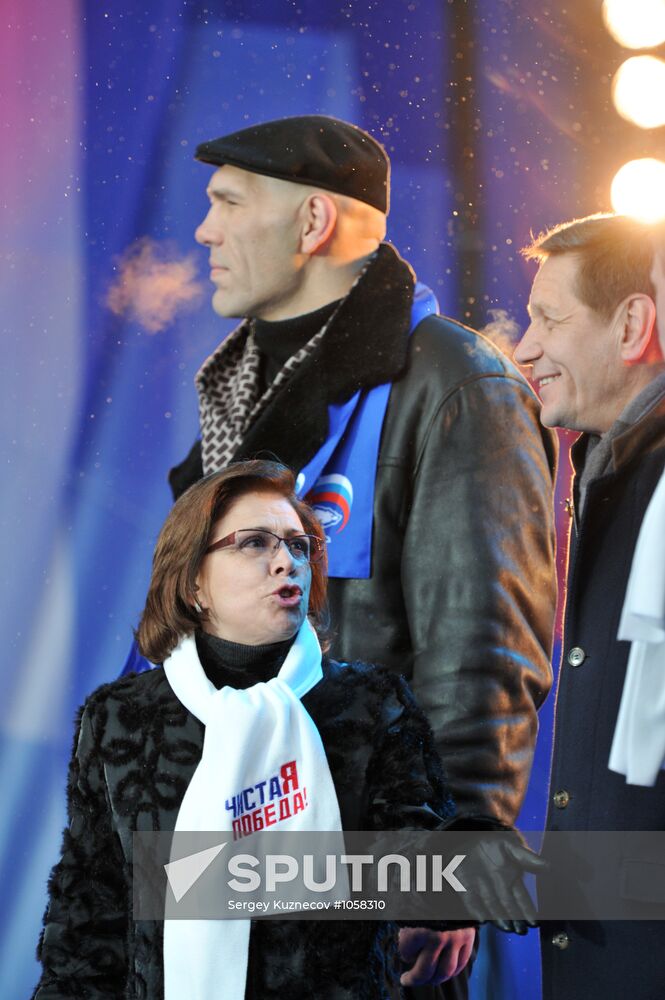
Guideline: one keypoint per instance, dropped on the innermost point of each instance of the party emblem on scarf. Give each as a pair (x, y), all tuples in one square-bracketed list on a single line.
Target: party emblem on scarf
[(332, 499)]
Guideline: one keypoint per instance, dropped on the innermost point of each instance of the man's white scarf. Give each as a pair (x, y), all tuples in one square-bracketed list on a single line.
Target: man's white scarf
[(638, 747), (249, 736)]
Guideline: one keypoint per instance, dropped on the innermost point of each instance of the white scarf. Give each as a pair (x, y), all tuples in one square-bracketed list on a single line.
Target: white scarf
[(249, 736), (638, 747)]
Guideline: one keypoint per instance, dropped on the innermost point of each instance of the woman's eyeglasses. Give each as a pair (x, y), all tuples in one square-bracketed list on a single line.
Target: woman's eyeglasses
[(257, 542)]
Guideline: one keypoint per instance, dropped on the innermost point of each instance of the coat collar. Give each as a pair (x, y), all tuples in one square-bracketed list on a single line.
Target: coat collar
[(366, 345), (644, 436)]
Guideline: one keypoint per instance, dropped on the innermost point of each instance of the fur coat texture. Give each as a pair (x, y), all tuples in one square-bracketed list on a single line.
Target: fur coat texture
[(135, 751)]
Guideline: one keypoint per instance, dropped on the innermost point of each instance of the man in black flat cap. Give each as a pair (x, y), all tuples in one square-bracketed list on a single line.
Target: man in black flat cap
[(416, 440)]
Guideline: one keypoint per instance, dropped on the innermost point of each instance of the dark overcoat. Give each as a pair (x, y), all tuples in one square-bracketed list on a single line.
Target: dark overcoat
[(608, 959)]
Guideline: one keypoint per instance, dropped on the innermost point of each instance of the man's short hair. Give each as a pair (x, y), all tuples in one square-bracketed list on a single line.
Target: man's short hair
[(615, 255)]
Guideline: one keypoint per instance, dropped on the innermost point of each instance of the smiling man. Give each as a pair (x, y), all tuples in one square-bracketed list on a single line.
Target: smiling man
[(597, 363)]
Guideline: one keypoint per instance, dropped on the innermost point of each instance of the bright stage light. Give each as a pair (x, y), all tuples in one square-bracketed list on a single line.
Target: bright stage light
[(638, 91), (638, 189), (635, 24)]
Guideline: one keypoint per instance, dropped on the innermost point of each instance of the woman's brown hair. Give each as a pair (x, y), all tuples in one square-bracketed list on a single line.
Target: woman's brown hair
[(169, 612)]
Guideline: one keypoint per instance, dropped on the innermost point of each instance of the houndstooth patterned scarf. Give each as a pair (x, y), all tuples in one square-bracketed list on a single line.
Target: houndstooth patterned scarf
[(229, 391), (229, 394)]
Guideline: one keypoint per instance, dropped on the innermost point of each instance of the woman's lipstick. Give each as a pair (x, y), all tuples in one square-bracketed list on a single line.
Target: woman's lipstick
[(288, 596)]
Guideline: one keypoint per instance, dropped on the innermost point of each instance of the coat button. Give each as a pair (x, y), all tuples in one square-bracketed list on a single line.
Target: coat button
[(561, 940), (561, 799), (576, 656)]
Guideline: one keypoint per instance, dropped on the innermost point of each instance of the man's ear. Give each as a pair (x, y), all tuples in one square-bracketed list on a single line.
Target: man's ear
[(320, 219), (639, 340)]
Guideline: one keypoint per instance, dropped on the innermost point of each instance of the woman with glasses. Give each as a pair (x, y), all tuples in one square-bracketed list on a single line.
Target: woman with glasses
[(244, 726)]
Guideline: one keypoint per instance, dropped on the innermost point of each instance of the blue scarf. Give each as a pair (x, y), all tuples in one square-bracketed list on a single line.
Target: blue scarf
[(336, 482)]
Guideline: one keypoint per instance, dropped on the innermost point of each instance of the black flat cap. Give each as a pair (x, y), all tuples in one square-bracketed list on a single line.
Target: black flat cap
[(309, 149)]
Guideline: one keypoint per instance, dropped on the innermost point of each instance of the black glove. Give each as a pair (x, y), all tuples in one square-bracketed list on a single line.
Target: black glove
[(493, 874)]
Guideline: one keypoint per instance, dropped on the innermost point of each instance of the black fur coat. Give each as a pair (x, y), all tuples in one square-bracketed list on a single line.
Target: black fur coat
[(135, 751)]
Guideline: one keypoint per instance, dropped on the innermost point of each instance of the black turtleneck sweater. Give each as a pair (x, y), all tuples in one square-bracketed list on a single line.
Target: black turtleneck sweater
[(279, 340), (238, 665)]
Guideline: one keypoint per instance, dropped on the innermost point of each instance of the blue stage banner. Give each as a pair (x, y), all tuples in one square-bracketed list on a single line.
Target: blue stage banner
[(106, 318)]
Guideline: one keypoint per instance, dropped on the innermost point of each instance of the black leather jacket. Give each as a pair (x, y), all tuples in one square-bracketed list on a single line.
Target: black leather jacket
[(463, 587)]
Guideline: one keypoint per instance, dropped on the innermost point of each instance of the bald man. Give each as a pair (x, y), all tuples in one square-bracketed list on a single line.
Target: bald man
[(417, 442)]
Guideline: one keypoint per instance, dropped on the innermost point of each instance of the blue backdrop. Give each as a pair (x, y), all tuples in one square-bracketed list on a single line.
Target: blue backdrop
[(103, 105)]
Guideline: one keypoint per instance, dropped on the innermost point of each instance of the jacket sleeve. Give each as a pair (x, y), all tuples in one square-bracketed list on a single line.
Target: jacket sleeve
[(479, 584), (83, 947), (407, 789)]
